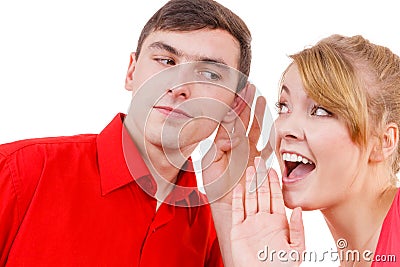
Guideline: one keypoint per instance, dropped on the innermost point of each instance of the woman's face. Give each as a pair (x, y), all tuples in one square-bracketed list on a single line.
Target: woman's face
[(318, 159)]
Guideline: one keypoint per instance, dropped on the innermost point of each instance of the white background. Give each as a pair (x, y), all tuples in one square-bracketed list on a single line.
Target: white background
[(62, 63)]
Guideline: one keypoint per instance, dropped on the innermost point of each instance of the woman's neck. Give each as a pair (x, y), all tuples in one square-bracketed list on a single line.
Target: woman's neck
[(359, 218)]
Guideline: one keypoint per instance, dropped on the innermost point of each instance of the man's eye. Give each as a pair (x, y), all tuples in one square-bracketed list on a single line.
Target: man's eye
[(281, 108), (166, 61), (320, 111), (210, 75)]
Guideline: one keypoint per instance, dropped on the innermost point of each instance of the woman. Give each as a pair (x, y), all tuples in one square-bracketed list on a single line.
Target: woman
[(337, 142)]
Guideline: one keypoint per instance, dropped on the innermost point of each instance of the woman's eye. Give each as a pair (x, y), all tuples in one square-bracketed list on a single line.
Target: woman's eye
[(282, 108), (320, 111), (166, 61), (210, 75)]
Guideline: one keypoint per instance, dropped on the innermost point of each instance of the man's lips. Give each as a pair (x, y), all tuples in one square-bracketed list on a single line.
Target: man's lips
[(169, 111)]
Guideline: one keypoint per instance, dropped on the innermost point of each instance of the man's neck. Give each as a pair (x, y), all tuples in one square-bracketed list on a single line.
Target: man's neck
[(164, 165)]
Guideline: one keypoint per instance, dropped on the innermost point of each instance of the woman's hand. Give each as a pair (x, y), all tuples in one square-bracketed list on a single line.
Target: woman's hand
[(259, 224), (225, 163), (234, 150)]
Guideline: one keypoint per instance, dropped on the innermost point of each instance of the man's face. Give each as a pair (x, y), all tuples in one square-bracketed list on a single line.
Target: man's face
[(182, 115)]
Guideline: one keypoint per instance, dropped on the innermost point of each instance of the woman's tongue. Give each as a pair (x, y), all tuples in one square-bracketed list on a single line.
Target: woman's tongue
[(301, 170)]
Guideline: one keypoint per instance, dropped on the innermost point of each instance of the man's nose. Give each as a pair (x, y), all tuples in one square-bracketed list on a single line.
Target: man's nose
[(181, 91)]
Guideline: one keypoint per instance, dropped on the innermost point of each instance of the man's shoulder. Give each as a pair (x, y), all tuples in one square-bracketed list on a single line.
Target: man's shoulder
[(25, 162), (46, 143)]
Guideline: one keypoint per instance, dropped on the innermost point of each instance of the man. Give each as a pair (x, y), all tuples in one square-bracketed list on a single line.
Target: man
[(113, 199)]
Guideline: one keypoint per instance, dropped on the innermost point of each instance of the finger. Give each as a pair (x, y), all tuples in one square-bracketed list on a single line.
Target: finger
[(266, 151), (242, 123), (277, 205), (246, 97), (251, 195), (269, 147), (296, 230), (237, 205), (258, 118), (263, 193)]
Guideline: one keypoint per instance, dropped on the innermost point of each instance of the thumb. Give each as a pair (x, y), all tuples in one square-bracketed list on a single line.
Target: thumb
[(296, 227)]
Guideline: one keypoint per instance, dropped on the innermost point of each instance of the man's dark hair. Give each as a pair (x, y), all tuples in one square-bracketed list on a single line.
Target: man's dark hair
[(192, 15)]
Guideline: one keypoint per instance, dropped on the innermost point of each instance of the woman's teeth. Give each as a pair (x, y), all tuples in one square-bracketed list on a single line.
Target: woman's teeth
[(295, 158)]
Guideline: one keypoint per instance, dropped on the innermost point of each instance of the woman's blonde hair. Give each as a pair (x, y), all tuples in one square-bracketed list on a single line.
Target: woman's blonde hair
[(356, 80)]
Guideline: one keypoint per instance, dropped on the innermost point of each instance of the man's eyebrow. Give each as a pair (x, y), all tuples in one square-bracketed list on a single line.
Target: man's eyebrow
[(166, 47), (179, 53), (218, 61)]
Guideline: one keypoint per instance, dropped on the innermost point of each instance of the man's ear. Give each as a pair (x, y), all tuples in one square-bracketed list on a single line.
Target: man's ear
[(243, 99), (131, 70), (387, 145)]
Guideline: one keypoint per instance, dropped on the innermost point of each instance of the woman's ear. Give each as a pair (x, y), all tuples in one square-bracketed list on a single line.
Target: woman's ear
[(387, 144), (131, 70)]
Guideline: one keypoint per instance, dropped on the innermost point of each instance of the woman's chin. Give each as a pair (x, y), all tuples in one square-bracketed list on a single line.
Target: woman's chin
[(292, 203)]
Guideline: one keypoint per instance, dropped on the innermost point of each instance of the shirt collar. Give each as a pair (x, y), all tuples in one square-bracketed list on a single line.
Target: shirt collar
[(185, 192), (114, 172), (113, 142)]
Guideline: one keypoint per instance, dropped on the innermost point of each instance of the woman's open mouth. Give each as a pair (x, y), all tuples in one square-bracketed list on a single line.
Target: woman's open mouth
[(297, 167)]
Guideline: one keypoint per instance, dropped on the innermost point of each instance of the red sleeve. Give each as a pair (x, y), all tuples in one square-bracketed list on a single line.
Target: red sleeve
[(9, 218)]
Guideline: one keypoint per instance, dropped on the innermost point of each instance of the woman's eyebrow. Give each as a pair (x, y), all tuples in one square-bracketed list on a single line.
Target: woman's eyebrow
[(286, 89)]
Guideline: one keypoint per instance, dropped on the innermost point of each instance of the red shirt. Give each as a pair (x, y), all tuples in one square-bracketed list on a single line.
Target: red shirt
[(387, 252), (71, 201)]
